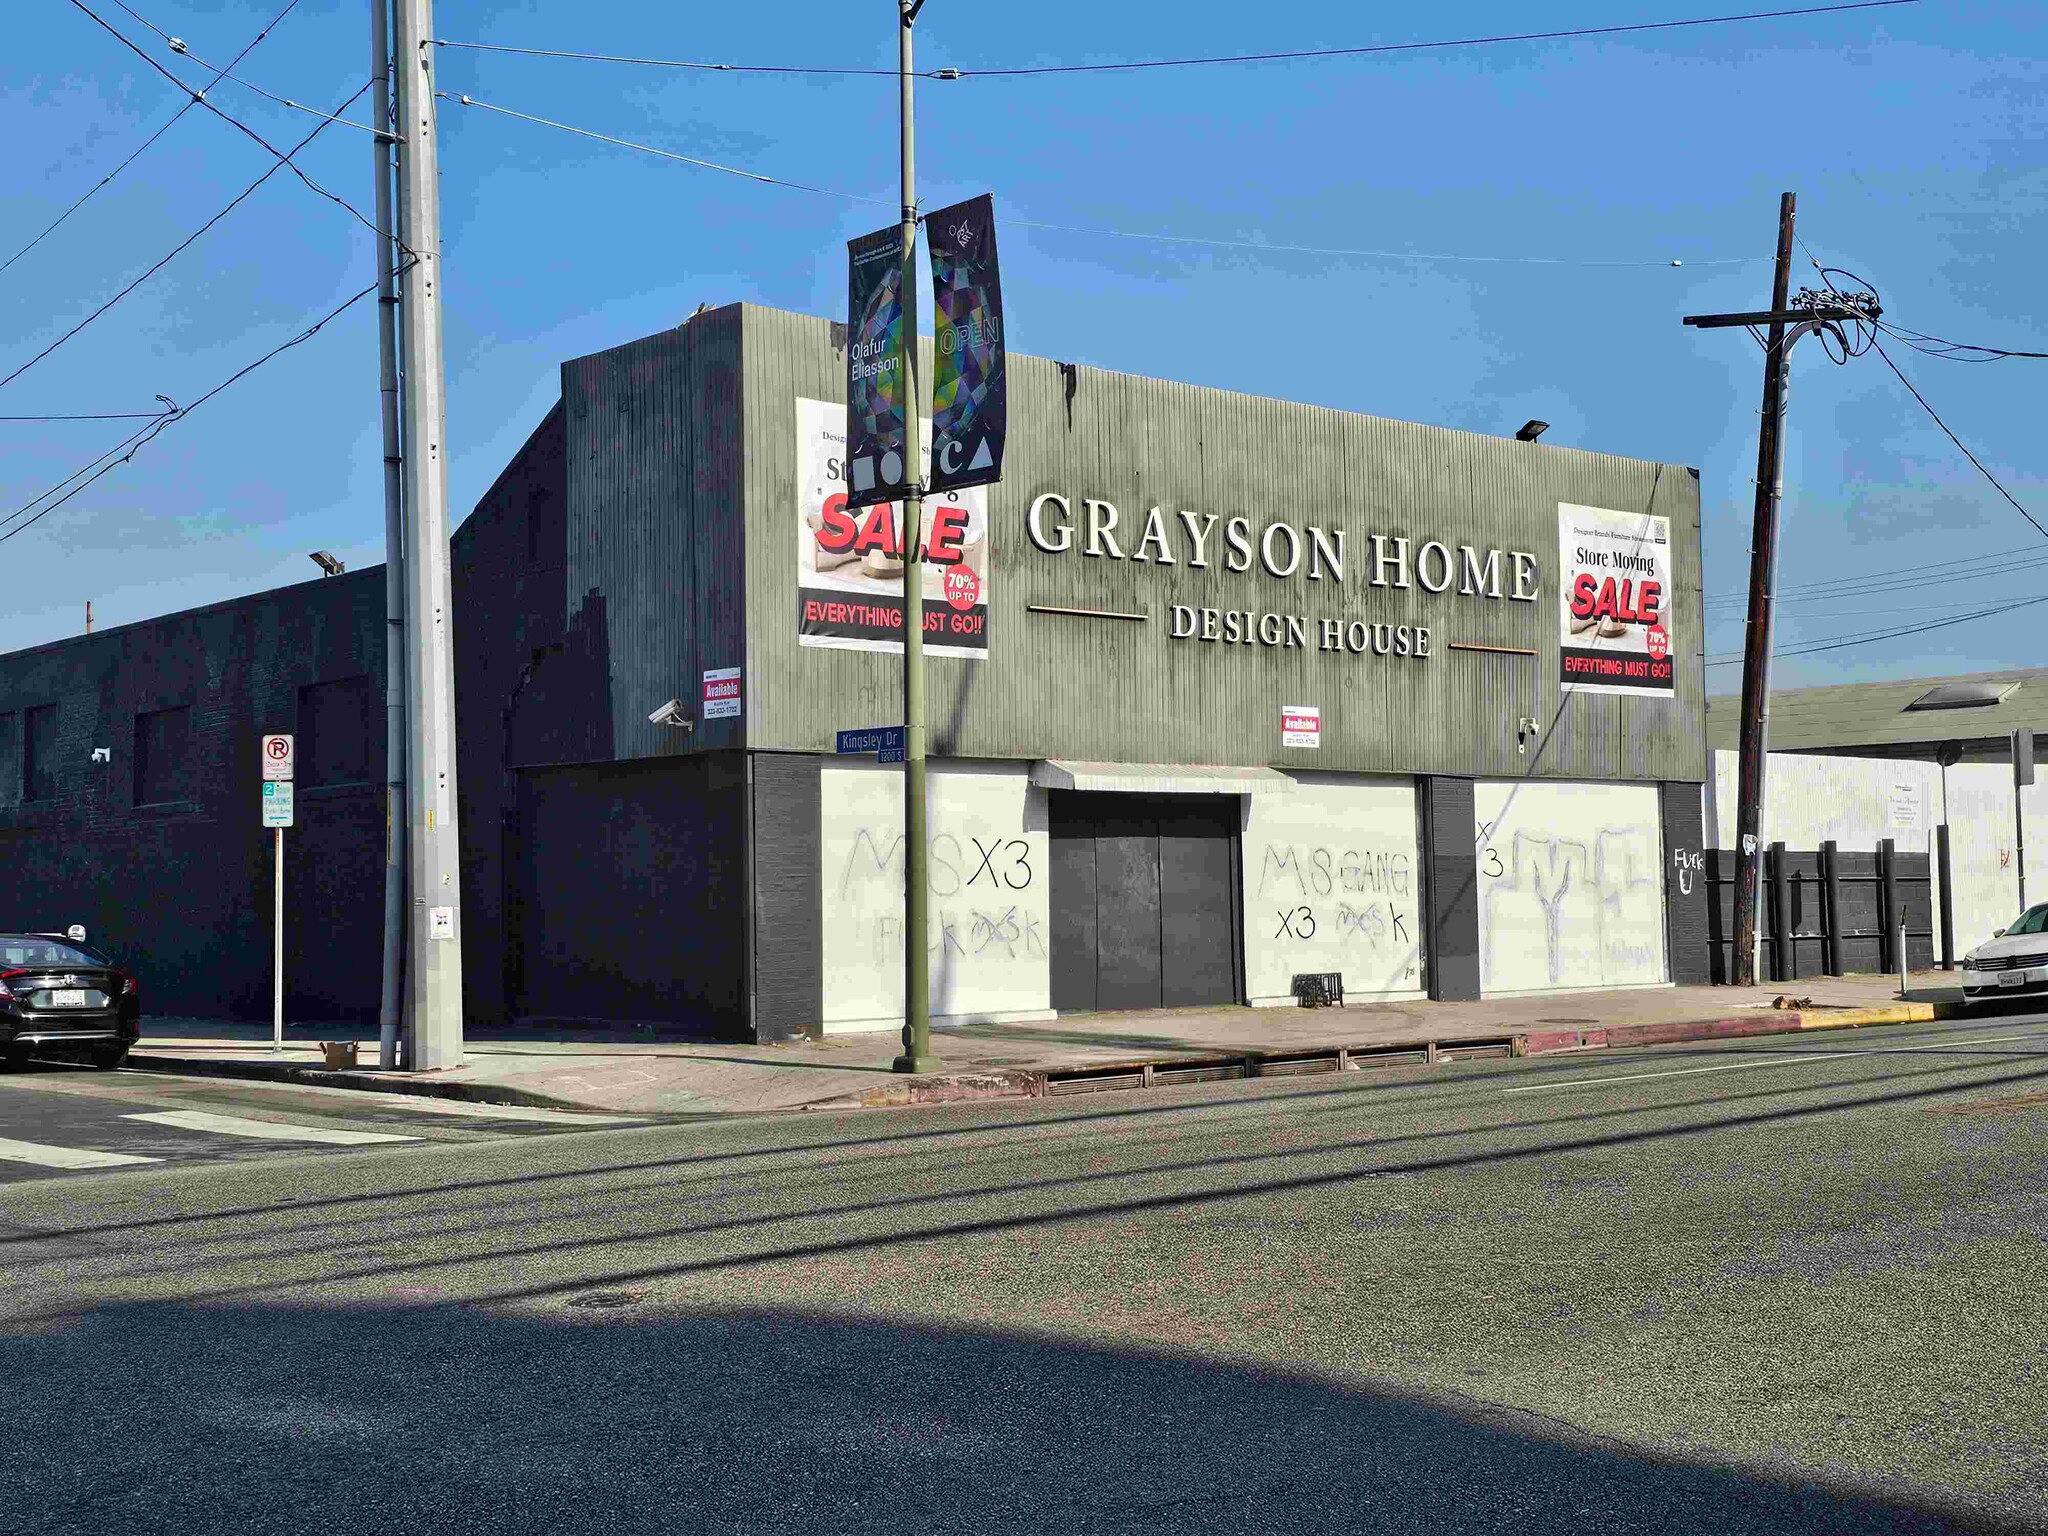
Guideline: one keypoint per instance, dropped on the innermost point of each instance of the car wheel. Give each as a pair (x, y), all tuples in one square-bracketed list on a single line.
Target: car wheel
[(109, 1057)]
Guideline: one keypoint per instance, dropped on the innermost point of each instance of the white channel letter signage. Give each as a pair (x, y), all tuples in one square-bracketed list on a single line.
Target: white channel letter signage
[(1339, 568), (1301, 725), (849, 565), (1614, 595), (722, 693)]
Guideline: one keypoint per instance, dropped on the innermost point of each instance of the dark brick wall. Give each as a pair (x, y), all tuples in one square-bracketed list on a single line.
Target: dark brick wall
[(181, 892), (528, 689)]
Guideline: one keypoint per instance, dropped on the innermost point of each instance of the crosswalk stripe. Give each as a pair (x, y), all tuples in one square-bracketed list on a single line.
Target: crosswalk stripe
[(264, 1130), (502, 1111), (65, 1157)]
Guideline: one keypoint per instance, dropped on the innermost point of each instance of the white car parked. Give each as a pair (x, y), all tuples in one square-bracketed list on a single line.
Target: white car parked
[(2013, 964)]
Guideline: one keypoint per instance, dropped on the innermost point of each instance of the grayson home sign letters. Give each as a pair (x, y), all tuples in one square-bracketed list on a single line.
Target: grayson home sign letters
[(1285, 552)]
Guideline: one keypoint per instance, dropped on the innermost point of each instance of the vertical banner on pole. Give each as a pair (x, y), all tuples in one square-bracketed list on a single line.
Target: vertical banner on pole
[(877, 382), (970, 382)]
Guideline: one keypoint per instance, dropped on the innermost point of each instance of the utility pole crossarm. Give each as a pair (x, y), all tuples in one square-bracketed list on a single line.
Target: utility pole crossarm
[(1835, 312)]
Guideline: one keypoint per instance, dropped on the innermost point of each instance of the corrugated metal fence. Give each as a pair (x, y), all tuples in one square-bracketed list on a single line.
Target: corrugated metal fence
[(1828, 912)]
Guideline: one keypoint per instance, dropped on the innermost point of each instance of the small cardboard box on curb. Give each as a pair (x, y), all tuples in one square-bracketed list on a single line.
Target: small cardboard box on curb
[(339, 1055)]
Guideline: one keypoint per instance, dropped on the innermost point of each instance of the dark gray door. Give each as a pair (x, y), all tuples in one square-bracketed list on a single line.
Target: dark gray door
[(1197, 916), (1144, 901)]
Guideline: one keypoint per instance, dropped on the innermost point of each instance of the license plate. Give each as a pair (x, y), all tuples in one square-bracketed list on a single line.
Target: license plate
[(2013, 979), (68, 997)]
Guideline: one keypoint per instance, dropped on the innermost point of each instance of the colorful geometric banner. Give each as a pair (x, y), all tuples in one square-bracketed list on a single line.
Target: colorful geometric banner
[(877, 394), (970, 385)]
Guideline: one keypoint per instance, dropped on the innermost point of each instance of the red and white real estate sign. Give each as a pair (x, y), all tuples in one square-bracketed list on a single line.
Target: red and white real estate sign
[(1301, 725), (722, 693)]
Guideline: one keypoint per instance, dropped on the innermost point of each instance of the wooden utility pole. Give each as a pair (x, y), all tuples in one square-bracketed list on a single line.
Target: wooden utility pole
[(1783, 327)]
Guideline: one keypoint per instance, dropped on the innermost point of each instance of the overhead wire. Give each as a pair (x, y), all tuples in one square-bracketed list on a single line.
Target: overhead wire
[(1874, 636), (1359, 51), (180, 47), (125, 451), (171, 122), (665, 154), (166, 260), (239, 126), (463, 99), (1828, 276)]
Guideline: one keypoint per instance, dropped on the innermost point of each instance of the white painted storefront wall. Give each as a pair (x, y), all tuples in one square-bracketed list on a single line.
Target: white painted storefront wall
[(1856, 801), (1332, 882), (990, 936), (1571, 887)]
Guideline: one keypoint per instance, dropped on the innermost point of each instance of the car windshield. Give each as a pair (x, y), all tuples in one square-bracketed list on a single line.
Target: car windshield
[(20, 949), (2033, 920)]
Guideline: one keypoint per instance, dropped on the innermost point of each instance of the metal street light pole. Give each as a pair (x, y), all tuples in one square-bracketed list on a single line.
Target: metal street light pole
[(917, 1024), (433, 927), (391, 1004)]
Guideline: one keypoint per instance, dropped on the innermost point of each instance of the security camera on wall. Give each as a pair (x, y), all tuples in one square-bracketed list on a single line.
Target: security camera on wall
[(671, 713)]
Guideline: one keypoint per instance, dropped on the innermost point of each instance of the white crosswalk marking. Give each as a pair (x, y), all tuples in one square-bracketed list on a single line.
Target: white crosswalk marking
[(65, 1157), (502, 1111), (264, 1130)]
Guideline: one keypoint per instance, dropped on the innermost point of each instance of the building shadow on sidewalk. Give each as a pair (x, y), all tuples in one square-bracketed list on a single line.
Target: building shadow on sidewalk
[(600, 1412)]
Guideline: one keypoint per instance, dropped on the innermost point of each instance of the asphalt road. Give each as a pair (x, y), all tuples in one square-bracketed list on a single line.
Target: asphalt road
[(1791, 1286)]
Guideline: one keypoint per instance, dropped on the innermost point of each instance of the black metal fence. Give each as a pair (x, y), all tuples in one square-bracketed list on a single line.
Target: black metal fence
[(1829, 912)]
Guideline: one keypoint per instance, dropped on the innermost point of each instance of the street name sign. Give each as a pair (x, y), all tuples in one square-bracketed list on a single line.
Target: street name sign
[(887, 742)]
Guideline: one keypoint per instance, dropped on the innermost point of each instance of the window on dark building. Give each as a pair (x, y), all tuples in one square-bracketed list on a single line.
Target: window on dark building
[(39, 753), (334, 732), (10, 758), (163, 744)]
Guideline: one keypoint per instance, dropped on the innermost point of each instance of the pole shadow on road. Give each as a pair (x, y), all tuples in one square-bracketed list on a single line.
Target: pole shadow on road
[(426, 1419)]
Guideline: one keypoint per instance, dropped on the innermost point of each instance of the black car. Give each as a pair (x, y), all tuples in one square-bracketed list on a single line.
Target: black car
[(61, 997)]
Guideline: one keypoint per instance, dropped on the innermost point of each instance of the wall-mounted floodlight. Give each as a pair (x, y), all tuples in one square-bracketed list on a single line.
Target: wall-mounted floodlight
[(1531, 430), (327, 562)]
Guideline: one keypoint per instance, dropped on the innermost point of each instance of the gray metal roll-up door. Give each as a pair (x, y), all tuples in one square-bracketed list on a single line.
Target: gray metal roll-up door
[(1145, 901)]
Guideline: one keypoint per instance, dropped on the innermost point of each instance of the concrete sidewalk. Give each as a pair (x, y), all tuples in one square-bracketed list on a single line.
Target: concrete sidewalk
[(646, 1074)]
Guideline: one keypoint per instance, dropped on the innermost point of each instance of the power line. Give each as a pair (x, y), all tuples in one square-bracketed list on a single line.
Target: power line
[(102, 183), (1558, 35), (95, 416), (1899, 582), (649, 149), (1888, 634), (179, 46), (166, 260), (1121, 234), (126, 450), (1935, 416), (199, 98), (1316, 250)]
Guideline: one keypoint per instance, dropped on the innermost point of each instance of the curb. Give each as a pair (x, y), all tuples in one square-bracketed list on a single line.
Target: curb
[(1543, 1042), (320, 1077)]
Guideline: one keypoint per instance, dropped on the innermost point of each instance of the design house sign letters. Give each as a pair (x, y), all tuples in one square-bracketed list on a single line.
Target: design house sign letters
[(1234, 545)]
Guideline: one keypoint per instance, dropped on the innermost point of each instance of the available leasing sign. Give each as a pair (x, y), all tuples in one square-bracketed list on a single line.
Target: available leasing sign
[(1614, 590)]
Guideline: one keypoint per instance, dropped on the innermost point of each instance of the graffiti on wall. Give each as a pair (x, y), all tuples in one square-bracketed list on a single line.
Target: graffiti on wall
[(1571, 908), (986, 929), (1362, 898)]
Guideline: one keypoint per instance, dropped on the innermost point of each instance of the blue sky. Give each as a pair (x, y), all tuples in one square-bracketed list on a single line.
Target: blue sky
[(1911, 135)]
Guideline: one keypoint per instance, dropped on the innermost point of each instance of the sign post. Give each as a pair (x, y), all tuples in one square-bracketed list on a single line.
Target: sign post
[(277, 815)]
